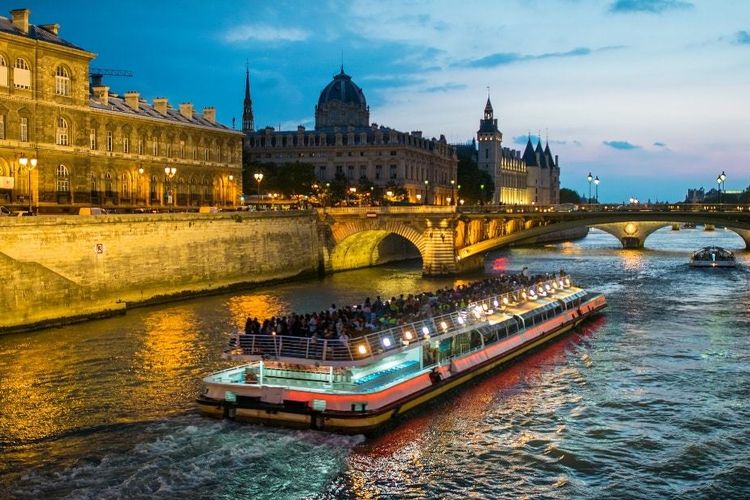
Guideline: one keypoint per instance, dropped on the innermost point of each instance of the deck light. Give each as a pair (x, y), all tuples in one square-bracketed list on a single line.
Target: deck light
[(485, 307), (523, 295), (547, 287), (506, 301), (425, 331), (386, 342), (567, 281), (495, 303), (444, 326), (362, 349), (460, 320), (408, 335)]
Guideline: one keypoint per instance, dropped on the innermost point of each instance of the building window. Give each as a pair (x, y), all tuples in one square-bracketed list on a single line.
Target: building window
[(125, 186), (140, 145), (339, 170), (63, 179), (182, 149), (92, 138), (169, 150), (350, 172), (3, 72), (362, 172), (61, 137), (110, 142), (108, 188), (155, 148), (126, 144), (322, 172), (378, 172), (21, 74), (24, 136), (394, 172), (2, 126), (62, 81), (195, 153), (205, 154)]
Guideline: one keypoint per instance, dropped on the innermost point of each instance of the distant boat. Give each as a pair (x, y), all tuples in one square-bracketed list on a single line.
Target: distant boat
[(708, 227), (713, 257), (688, 225)]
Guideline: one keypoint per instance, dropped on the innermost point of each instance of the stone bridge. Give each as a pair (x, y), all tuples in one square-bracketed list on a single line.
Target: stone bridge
[(451, 241)]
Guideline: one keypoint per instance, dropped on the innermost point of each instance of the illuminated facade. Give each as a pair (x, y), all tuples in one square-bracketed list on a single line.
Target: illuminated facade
[(520, 179), (345, 145), (93, 147)]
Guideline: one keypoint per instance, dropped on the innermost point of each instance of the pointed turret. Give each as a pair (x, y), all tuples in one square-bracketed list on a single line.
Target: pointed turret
[(529, 156), (488, 112), (248, 123)]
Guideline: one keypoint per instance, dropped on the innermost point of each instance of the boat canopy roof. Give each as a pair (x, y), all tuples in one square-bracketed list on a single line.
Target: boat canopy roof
[(721, 253)]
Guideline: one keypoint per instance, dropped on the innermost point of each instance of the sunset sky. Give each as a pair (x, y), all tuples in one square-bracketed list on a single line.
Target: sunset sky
[(653, 96)]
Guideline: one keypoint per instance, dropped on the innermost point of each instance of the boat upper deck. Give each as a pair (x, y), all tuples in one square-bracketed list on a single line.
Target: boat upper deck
[(509, 307)]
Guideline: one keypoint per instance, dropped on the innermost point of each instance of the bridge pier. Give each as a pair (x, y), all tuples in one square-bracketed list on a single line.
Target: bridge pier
[(745, 235), (632, 235), (438, 252)]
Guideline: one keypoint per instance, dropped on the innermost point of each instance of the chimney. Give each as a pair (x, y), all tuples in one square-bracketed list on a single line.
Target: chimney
[(557, 164), (186, 110), (160, 105), (209, 113), (131, 99), (101, 92), (21, 19), (52, 28)]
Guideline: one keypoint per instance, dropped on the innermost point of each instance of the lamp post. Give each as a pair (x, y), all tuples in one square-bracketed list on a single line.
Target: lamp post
[(453, 191), (481, 194), (353, 191), (258, 177), (589, 178), (419, 197), (426, 191), (596, 182), (231, 191), (170, 173), (720, 181), (31, 162), (138, 184)]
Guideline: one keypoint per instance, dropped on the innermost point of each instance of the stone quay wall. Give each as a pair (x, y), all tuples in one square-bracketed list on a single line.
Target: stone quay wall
[(55, 270)]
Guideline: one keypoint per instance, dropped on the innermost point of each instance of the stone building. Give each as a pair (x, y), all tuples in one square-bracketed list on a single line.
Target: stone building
[(345, 143), (83, 145), (520, 179)]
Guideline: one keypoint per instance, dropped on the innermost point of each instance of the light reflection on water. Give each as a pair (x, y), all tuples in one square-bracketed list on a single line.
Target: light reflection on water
[(649, 400)]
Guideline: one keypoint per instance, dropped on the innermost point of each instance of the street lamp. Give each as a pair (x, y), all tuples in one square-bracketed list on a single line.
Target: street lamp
[(453, 191), (481, 194), (23, 161), (170, 173), (720, 181), (231, 191), (419, 197), (258, 177), (138, 185), (426, 191), (596, 181), (590, 178)]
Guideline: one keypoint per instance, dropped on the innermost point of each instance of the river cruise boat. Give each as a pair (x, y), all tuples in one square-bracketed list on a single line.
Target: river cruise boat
[(713, 257), (357, 385)]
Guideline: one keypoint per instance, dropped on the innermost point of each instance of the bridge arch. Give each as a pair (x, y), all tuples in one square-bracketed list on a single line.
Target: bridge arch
[(357, 244)]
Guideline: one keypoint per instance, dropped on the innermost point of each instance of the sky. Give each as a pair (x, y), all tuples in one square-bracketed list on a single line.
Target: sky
[(651, 96)]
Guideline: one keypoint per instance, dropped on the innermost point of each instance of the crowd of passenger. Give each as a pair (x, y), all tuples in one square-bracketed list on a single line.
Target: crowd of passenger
[(373, 315)]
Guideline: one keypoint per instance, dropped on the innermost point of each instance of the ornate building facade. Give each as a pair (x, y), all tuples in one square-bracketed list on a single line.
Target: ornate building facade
[(344, 143), (520, 179), (65, 143)]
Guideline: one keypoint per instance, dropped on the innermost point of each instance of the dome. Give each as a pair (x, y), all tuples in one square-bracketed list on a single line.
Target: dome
[(342, 89)]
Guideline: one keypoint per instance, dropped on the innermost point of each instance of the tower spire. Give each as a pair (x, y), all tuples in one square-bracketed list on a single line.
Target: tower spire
[(248, 123)]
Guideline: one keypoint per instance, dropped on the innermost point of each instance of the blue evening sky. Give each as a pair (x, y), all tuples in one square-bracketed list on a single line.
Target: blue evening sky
[(652, 96)]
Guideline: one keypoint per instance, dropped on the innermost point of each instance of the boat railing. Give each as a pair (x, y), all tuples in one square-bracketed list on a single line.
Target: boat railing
[(390, 339)]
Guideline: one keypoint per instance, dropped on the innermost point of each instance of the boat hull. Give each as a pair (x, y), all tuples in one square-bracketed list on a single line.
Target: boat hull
[(351, 422)]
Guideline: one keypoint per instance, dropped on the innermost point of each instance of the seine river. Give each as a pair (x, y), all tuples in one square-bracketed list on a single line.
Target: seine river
[(649, 400)]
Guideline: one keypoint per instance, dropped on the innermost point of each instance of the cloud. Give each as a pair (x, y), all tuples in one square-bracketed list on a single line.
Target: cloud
[(624, 145), (264, 33), (650, 6), (446, 87), (505, 58), (660, 145), (742, 38), (523, 139)]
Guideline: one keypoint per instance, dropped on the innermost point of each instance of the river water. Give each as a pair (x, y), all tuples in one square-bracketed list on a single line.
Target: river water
[(648, 400)]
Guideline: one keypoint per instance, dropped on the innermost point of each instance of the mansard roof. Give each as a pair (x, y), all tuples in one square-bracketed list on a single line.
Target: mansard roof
[(35, 33), (145, 110)]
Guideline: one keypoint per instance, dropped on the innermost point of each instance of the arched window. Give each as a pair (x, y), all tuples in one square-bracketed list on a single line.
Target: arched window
[(3, 72), (21, 74), (125, 186), (61, 137), (63, 179), (108, 186), (154, 196), (62, 81)]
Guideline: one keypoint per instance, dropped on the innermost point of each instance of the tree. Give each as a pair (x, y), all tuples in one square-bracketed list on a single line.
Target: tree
[(288, 178), (569, 196), (471, 179)]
